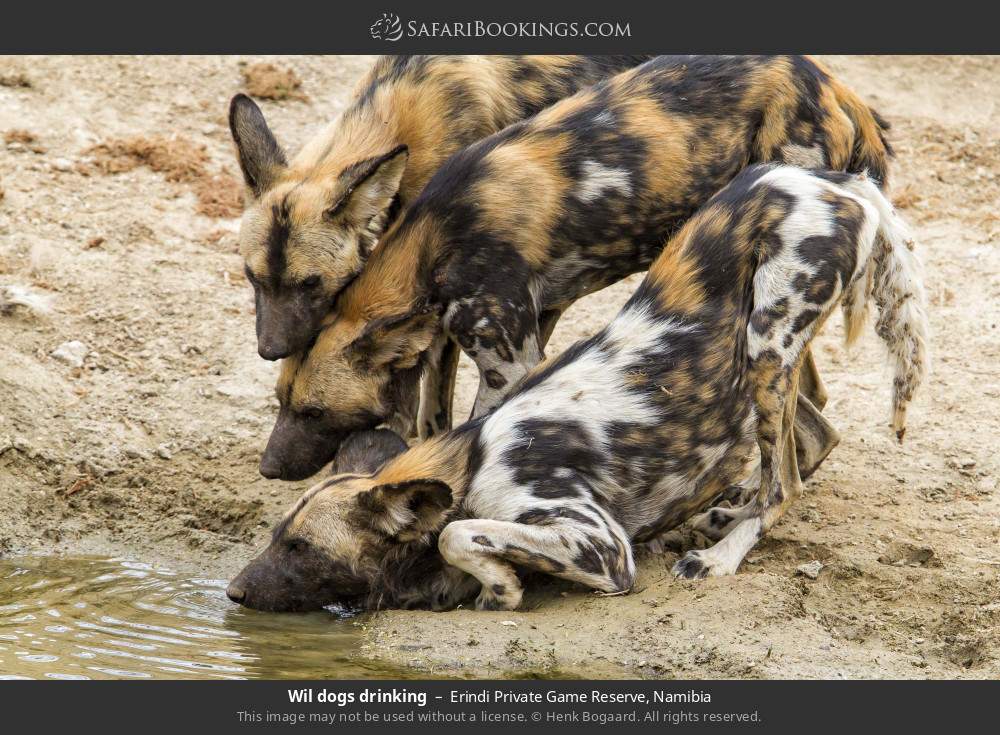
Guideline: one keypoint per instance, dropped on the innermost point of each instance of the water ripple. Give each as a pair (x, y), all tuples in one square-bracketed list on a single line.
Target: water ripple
[(123, 619)]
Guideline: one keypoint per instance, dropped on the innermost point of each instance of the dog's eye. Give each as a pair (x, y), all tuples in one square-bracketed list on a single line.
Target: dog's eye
[(311, 282), (313, 412), (295, 546)]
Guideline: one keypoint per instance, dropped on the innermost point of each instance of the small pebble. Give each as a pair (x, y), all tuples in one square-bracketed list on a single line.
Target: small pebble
[(71, 353), (810, 569)]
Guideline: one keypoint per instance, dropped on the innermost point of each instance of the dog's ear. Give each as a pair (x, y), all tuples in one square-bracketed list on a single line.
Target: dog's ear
[(396, 341), (407, 509), (364, 452), (261, 158), (370, 187)]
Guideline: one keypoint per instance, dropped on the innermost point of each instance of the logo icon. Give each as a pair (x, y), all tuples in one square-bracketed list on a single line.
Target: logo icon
[(387, 28)]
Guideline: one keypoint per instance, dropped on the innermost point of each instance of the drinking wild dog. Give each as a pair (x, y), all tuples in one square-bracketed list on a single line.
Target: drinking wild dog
[(514, 228), (628, 433)]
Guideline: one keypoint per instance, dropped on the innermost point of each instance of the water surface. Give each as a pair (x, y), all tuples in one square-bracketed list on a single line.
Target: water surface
[(73, 618)]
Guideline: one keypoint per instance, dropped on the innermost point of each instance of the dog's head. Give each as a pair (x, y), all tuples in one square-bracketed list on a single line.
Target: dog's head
[(306, 232), (355, 377), (332, 546)]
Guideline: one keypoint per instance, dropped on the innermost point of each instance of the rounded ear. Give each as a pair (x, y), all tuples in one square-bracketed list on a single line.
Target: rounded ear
[(397, 341), (261, 158), (408, 509), (364, 452), (370, 186)]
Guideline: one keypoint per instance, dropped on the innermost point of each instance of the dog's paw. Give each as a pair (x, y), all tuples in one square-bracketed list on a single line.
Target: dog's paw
[(499, 597), (691, 566)]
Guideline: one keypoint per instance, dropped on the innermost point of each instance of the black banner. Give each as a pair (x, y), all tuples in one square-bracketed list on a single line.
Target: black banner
[(376, 707), (447, 26)]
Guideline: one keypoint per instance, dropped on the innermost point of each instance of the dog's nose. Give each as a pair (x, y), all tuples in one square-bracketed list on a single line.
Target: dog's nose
[(270, 468), (272, 351), (235, 593)]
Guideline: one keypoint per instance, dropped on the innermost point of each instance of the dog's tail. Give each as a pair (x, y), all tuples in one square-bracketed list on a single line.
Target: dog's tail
[(870, 149), (892, 279)]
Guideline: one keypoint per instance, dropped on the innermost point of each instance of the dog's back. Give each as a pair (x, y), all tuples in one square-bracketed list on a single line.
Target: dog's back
[(636, 429)]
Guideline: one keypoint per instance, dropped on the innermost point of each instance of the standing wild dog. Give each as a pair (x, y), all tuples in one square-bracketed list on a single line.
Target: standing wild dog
[(311, 223), (632, 431), (513, 229)]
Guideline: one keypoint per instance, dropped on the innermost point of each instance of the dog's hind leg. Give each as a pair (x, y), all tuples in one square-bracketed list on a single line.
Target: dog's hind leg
[(815, 437), (775, 388)]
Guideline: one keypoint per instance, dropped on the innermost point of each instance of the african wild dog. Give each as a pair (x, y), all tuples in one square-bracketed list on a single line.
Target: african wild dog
[(632, 431), (514, 228), (312, 222)]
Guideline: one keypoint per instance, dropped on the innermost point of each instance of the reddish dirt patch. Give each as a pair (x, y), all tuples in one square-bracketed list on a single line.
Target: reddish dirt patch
[(219, 196), (23, 138), (177, 158), (268, 82)]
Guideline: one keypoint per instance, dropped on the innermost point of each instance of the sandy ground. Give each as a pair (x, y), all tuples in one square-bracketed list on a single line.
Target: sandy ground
[(144, 442)]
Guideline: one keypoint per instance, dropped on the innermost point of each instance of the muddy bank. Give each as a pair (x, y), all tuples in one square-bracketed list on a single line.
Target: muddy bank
[(133, 412)]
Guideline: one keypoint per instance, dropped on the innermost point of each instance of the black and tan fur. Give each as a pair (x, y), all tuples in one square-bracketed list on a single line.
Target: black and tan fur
[(633, 431), (311, 222), (513, 229)]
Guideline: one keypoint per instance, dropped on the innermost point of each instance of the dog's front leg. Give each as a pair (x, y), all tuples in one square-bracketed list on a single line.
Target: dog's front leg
[(599, 557), (437, 388), (502, 338)]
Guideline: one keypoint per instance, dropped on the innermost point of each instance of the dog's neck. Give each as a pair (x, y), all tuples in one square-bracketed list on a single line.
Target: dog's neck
[(415, 575)]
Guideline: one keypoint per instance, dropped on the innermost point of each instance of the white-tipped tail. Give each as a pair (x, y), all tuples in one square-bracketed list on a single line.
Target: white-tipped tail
[(893, 279)]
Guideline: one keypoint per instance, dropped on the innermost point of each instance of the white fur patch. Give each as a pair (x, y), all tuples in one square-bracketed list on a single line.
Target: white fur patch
[(804, 156), (597, 178), (724, 557), (606, 118), (590, 391)]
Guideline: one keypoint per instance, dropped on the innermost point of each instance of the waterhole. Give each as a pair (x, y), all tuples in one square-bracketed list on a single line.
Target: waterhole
[(118, 619)]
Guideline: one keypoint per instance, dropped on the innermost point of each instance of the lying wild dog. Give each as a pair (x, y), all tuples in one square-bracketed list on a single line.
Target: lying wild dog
[(513, 229), (311, 223), (632, 431)]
